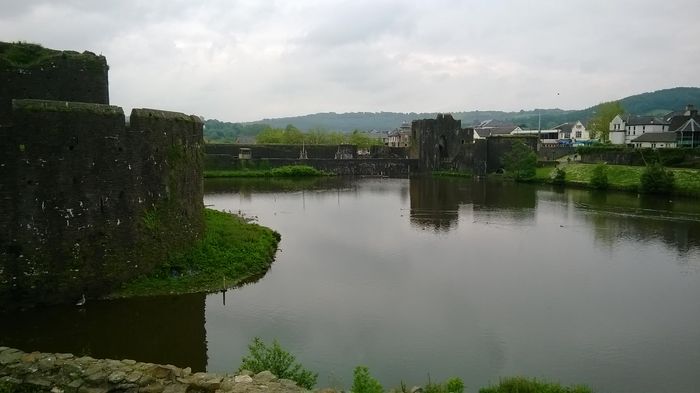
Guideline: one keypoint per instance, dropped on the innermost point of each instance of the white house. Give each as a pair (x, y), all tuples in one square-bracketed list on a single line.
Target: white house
[(617, 130), (656, 140), (624, 129), (574, 131)]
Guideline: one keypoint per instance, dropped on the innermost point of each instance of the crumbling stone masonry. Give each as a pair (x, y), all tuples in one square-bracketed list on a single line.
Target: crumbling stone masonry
[(87, 201), (60, 372), (441, 143)]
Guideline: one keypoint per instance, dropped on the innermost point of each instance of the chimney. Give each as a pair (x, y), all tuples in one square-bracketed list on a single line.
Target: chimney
[(690, 110)]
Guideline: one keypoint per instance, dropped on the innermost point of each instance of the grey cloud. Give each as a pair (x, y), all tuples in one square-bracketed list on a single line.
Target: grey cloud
[(248, 59)]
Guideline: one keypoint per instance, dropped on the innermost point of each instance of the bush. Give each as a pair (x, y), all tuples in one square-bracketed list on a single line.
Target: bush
[(599, 178), (363, 382), (656, 180), (558, 176), (525, 385), (454, 385), (278, 361), (520, 161)]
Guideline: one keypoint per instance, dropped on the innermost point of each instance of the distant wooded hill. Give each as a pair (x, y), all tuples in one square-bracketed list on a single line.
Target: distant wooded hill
[(654, 103)]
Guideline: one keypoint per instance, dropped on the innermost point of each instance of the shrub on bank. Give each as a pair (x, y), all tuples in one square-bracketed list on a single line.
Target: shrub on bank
[(656, 180), (558, 176), (363, 382), (599, 177), (278, 361), (451, 385), (527, 385)]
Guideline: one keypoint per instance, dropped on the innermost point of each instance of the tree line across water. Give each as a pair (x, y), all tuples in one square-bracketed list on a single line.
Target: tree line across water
[(220, 132)]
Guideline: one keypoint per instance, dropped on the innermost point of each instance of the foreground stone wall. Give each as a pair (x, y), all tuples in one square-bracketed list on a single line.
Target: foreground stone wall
[(49, 372), (88, 202)]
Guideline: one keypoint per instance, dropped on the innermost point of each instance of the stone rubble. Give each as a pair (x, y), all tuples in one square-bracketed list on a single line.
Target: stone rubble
[(66, 373)]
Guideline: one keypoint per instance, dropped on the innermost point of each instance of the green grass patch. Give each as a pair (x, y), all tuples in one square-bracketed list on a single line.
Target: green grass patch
[(622, 177), (531, 385), (231, 251), (452, 174), (283, 171)]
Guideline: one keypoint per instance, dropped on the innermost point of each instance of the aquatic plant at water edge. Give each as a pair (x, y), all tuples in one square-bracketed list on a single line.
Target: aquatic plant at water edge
[(451, 385), (275, 359), (531, 385), (363, 382)]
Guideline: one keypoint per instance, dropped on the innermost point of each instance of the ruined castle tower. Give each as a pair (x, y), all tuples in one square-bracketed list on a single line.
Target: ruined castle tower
[(87, 201)]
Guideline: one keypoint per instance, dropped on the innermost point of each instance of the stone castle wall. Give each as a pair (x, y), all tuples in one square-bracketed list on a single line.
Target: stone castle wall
[(441, 143), (87, 201), (30, 71)]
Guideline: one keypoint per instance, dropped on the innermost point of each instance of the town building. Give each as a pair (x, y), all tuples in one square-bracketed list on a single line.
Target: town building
[(676, 129), (399, 137)]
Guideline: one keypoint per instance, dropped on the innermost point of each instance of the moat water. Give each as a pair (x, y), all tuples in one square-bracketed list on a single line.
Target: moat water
[(438, 277)]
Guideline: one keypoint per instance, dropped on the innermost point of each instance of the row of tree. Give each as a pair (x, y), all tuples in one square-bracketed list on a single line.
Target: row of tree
[(293, 135)]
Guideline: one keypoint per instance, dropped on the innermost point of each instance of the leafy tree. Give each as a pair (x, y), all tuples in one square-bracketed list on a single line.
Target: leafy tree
[(362, 140), (599, 124), (292, 135), (520, 161), (270, 135), (599, 177), (278, 361), (363, 382), (656, 180)]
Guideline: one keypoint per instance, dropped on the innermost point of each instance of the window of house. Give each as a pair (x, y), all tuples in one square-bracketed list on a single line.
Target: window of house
[(578, 134), (643, 127)]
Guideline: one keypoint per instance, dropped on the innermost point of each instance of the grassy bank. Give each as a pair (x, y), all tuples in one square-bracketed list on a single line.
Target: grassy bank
[(283, 171), (231, 252), (452, 174), (621, 177)]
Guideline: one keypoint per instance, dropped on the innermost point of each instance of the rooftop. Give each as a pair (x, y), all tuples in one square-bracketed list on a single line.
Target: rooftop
[(656, 137)]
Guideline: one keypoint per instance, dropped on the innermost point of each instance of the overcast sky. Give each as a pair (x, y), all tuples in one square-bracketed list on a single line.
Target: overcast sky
[(242, 60)]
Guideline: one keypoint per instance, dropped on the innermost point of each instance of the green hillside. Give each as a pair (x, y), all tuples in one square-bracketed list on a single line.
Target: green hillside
[(653, 103)]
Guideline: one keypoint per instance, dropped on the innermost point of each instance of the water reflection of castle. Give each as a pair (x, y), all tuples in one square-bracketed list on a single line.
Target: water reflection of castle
[(158, 329), (435, 202)]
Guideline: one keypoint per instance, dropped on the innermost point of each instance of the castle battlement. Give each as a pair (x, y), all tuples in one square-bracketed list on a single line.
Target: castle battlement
[(87, 201)]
